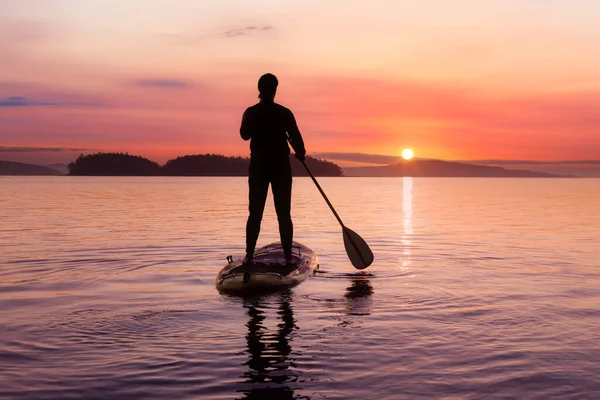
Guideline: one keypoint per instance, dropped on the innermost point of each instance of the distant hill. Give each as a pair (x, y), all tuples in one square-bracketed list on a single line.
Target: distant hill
[(439, 168), (15, 168), (119, 164)]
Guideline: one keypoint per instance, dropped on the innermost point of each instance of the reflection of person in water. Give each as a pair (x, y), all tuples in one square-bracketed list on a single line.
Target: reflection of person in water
[(358, 296), (269, 353)]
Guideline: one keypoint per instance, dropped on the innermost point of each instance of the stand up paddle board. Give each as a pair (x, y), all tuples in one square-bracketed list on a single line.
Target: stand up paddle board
[(268, 271)]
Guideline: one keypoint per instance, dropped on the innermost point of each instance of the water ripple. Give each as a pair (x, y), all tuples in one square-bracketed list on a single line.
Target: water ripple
[(485, 301)]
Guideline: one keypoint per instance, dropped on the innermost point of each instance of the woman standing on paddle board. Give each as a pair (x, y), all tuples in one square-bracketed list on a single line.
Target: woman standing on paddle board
[(268, 125)]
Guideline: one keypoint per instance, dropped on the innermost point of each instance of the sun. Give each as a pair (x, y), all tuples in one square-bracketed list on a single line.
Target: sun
[(407, 154)]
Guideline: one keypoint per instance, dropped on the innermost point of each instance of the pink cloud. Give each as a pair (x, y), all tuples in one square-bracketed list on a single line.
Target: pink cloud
[(343, 114)]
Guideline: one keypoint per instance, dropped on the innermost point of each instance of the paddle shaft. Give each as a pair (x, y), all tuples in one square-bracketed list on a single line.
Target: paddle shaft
[(344, 229), (347, 233), (322, 193)]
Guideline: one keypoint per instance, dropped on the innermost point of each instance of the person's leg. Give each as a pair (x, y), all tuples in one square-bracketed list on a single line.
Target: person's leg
[(258, 187), (282, 197)]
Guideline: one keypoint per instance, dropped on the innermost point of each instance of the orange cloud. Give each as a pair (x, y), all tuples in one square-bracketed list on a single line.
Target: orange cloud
[(342, 114), (449, 121)]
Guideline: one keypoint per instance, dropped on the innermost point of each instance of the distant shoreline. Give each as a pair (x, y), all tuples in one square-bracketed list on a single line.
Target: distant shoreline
[(344, 176), (119, 164), (213, 165)]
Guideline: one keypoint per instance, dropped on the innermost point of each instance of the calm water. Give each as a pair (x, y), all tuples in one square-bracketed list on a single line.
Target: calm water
[(481, 288)]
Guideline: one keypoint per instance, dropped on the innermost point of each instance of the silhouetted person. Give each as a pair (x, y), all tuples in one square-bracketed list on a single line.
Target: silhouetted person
[(268, 125)]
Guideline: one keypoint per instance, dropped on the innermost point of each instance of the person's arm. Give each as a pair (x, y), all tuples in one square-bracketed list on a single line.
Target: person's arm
[(245, 128), (295, 137)]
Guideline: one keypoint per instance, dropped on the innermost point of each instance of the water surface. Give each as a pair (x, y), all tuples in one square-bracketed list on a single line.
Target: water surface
[(481, 288)]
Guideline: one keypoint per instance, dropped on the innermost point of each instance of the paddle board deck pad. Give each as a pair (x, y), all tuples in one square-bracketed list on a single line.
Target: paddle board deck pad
[(268, 271)]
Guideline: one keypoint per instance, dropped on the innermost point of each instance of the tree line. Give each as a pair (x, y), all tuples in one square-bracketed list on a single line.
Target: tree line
[(124, 164)]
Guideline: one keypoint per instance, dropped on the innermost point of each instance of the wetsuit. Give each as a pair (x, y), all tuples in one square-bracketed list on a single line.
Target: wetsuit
[(265, 124)]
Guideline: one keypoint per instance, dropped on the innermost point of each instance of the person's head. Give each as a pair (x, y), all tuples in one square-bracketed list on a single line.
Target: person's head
[(267, 87)]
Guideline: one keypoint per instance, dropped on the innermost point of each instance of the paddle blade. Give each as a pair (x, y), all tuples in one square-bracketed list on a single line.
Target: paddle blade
[(358, 250)]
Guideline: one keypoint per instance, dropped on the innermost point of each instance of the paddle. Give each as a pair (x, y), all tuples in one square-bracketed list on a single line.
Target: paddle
[(358, 250)]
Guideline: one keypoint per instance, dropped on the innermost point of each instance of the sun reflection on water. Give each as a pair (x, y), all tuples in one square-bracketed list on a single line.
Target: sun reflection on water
[(407, 212)]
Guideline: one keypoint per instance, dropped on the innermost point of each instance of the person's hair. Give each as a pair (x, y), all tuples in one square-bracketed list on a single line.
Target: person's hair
[(267, 85)]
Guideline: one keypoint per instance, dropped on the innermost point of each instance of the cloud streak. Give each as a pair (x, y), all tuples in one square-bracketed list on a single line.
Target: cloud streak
[(232, 33), (5, 149), (533, 162), (359, 157), (20, 101), (247, 30), (163, 84)]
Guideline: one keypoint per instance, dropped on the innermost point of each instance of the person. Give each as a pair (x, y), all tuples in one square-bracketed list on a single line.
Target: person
[(269, 126)]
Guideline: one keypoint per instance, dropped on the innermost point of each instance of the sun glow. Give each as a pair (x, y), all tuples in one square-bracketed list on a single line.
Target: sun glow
[(407, 154)]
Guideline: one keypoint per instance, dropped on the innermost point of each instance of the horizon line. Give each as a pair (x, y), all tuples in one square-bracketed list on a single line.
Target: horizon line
[(385, 159), (366, 158)]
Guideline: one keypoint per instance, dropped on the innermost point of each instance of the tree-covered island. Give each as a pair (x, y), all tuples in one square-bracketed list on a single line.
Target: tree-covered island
[(123, 164)]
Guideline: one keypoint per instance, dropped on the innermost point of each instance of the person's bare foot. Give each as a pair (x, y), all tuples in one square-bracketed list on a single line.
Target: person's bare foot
[(248, 260)]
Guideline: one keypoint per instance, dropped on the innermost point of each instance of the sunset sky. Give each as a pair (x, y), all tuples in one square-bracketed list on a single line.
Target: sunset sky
[(457, 80)]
